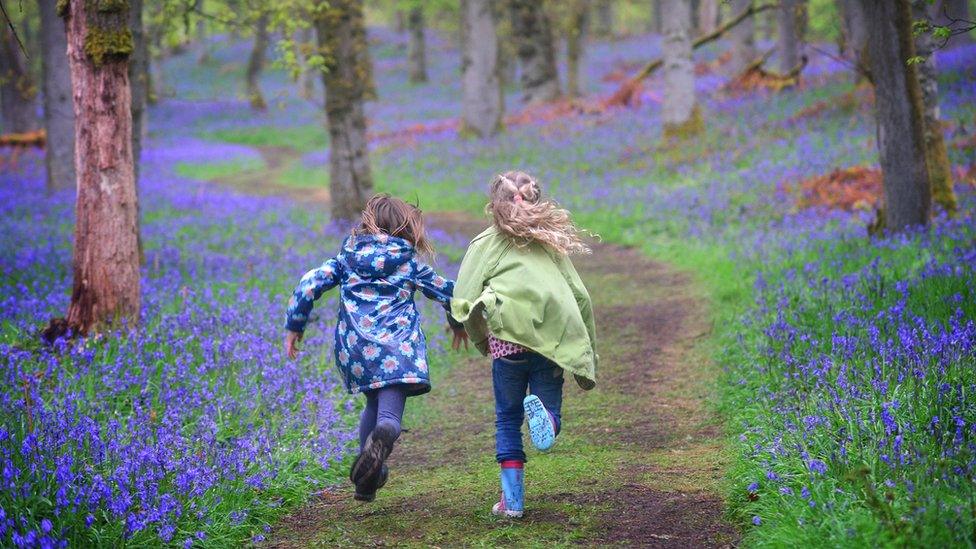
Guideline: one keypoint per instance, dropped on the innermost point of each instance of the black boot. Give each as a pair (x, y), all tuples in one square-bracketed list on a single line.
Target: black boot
[(366, 490)]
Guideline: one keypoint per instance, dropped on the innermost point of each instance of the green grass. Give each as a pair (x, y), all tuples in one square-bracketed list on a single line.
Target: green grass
[(218, 170), (305, 138)]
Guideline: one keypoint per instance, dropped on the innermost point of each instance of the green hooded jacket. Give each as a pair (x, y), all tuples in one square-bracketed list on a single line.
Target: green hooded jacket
[(527, 295)]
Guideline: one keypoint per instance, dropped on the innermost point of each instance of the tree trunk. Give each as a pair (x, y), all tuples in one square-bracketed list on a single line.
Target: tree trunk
[(854, 32), (899, 112), (17, 89), (416, 50), (348, 83), (482, 103), (680, 111), (603, 23), (790, 36), (575, 44), (532, 34), (59, 115), (106, 256), (707, 16), (936, 156), (743, 37), (306, 84), (138, 81), (658, 16), (399, 21), (255, 63)]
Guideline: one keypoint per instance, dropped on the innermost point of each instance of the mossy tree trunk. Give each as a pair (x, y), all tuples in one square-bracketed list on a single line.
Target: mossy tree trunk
[(936, 156), (416, 46), (17, 88), (532, 34), (899, 112), (106, 256), (575, 44), (348, 81), (59, 114), (255, 63), (680, 111), (482, 103), (603, 22)]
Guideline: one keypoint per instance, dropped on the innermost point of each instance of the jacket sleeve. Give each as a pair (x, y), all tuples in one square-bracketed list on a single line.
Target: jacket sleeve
[(311, 287), (466, 305), (436, 288), (583, 300)]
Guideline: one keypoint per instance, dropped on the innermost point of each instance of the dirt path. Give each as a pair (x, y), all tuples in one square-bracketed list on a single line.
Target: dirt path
[(639, 461)]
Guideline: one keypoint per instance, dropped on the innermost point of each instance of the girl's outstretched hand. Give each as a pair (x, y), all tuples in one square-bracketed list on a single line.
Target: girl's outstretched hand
[(460, 336), (291, 344)]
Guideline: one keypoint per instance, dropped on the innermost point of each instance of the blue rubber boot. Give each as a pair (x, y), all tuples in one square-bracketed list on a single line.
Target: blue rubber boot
[(512, 502), (542, 426)]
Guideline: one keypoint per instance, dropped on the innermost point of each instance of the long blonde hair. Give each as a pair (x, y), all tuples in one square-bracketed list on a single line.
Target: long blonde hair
[(519, 211)]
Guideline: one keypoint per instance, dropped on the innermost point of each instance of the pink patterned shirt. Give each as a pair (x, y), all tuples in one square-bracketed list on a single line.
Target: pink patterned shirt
[(498, 348)]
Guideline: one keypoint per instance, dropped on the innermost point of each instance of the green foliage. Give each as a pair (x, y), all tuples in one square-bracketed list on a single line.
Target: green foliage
[(306, 138)]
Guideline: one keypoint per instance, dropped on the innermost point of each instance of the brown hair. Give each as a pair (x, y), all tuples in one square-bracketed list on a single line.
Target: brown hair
[(385, 214), (518, 210)]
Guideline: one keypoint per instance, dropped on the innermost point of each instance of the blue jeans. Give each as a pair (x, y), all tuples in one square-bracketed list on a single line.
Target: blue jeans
[(511, 376)]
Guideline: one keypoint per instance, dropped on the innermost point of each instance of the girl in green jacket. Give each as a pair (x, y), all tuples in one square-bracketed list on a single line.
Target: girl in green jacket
[(522, 302)]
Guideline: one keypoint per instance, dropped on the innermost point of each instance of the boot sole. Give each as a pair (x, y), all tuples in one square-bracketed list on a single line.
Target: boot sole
[(541, 429), (377, 449)]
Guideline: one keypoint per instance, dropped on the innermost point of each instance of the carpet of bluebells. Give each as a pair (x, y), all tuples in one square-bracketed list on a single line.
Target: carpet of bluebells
[(849, 359)]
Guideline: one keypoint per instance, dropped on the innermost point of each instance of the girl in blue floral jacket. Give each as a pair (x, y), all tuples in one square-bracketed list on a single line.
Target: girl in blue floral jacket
[(379, 346)]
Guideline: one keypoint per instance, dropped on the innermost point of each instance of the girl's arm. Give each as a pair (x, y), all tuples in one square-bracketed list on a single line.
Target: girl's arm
[(441, 290), (583, 300), (311, 287)]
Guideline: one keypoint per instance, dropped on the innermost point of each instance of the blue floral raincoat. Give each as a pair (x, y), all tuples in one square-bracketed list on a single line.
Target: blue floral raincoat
[(378, 340)]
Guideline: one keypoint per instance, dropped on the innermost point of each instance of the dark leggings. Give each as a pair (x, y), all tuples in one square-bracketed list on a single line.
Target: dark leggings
[(384, 404)]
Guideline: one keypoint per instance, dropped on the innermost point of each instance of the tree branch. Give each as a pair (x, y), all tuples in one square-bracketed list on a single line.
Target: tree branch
[(10, 24)]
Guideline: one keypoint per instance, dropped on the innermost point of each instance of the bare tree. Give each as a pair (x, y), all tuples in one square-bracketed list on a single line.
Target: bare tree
[(348, 80), (952, 13), (936, 156), (306, 84), (743, 39), (255, 63), (708, 11), (416, 49), (59, 114), (899, 112), (106, 256), (792, 27), (854, 32), (482, 103), (17, 88), (603, 23), (578, 25), (680, 111), (532, 33)]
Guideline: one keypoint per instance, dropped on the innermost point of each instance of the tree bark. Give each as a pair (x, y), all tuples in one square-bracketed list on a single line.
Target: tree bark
[(707, 16), (854, 32), (138, 81), (59, 115), (348, 83), (106, 256), (482, 103), (532, 33), (790, 40), (680, 111), (306, 84), (416, 49), (17, 88), (575, 45), (898, 108), (936, 156), (604, 20), (743, 37), (255, 63)]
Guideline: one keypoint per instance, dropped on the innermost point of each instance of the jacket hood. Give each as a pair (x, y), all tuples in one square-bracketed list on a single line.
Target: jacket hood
[(376, 255)]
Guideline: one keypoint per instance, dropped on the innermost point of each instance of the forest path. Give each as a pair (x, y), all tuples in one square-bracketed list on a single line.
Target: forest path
[(639, 461)]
